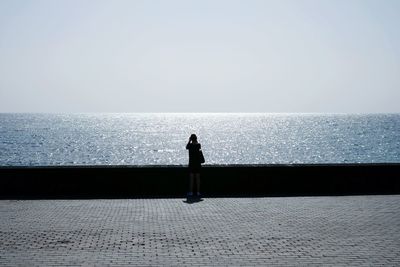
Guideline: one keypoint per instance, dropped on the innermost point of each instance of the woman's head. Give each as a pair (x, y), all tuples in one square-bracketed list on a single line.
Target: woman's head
[(193, 137)]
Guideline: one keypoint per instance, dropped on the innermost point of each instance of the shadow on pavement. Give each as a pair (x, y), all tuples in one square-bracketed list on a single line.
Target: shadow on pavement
[(193, 200)]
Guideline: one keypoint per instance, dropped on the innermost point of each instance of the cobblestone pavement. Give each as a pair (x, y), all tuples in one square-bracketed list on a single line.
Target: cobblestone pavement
[(355, 231)]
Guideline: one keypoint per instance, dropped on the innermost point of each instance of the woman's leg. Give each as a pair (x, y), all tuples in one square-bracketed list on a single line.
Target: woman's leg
[(191, 183), (198, 183)]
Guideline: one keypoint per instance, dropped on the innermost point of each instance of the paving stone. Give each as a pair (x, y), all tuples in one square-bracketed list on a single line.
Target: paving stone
[(301, 231)]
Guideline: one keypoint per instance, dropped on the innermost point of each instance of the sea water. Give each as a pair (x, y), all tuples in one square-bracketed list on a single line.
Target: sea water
[(159, 139)]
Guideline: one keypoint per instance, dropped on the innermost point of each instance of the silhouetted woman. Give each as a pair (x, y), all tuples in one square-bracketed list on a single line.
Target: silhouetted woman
[(194, 164)]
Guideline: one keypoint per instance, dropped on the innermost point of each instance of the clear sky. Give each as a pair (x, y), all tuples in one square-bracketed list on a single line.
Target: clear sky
[(200, 56)]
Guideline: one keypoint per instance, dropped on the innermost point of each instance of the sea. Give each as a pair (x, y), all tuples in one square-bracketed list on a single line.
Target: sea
[(226, 138)]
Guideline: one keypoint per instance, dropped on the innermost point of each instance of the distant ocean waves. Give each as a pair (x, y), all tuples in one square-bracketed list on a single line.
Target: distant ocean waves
[(158, 139)]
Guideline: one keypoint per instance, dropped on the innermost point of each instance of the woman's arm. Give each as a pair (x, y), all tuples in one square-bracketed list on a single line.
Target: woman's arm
[(187, 146)]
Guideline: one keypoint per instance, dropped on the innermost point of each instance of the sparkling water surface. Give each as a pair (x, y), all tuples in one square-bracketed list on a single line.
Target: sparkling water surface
[(158, 139)]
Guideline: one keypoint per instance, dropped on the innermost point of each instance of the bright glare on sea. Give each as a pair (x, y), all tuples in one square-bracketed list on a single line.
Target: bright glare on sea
[(158, 139)]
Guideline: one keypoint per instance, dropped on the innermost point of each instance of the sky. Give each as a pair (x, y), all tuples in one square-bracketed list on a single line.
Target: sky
[(337, 56)]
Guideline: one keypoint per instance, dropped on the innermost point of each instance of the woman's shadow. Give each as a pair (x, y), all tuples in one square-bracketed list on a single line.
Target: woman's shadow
[(193, 200)]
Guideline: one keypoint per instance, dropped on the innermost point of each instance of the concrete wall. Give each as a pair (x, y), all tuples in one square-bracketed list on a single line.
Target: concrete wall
[(172, 181)]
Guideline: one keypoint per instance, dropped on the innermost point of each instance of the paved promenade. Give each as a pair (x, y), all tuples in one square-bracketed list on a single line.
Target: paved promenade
[(355, 231)]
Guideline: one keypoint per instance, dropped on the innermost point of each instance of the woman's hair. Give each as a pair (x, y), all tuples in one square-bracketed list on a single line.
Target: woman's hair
[(193, 137)]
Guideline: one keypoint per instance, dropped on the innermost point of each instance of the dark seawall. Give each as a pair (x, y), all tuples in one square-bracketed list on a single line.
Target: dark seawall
[(217, 181)]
